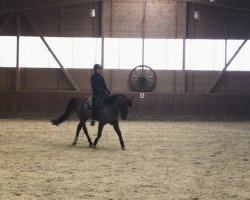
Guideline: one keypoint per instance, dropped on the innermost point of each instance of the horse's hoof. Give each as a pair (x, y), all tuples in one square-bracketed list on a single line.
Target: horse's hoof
[(90, 145), (123, 148), (54, 122), (74, 143)]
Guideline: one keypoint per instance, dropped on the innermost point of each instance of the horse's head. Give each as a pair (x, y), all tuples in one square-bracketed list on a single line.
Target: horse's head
[(120, 103), (125, 106)]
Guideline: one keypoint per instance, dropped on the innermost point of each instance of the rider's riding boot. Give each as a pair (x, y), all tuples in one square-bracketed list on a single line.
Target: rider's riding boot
[(92, 123), (94, 117)]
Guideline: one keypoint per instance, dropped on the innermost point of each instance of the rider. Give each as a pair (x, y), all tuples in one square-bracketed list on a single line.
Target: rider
[(100, 91)]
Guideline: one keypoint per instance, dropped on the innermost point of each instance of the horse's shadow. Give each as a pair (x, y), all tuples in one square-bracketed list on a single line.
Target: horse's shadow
[(79, 148)]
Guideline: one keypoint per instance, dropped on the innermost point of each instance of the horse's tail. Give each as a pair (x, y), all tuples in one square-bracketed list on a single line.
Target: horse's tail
[(66, 114)]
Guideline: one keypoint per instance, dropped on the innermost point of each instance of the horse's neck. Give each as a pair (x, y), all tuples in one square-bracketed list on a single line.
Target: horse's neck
[(115, 103)]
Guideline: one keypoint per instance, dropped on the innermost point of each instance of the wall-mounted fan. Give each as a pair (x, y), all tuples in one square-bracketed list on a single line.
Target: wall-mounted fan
[(142, 79)]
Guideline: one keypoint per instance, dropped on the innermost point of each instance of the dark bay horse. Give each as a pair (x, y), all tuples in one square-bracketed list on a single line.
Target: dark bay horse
[(109, 112)]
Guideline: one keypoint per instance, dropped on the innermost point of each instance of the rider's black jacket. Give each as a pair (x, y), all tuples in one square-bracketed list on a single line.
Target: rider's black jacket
[(98, 85)]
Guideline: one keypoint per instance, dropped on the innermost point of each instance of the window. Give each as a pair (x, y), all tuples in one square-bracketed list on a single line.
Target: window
[(71, 52), (7, 51), (205, 54), (33, 53), (112, 53), (130, 53), (125, 53), (174, 54), (86, 52), (242, 61), (155, 53)]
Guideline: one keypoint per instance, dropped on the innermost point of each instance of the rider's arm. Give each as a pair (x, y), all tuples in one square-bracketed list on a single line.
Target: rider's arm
[(105, 86), (94, 84)]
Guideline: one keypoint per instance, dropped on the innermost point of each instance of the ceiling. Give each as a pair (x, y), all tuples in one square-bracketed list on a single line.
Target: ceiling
[(240, 5), (18, 5)]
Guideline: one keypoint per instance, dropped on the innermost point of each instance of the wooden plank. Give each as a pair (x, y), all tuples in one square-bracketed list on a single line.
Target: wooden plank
[(103, 33)]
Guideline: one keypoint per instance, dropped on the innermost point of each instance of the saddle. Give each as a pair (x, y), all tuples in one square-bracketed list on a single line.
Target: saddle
[(88, 104)]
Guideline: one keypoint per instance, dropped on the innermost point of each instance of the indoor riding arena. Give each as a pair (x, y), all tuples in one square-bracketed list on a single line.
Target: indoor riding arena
[(176, 124)]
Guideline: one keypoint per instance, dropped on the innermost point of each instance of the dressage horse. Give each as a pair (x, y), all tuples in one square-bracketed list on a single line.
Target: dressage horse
[(108, 112)]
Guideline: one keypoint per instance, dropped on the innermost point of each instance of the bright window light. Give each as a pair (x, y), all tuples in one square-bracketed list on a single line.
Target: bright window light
[(130, 53), (86, 52), (163, 53), (174, 54), (62, 48), (7, 51), (71, 52), (242, 61), (112, 53), (205, 54), (219, 54), (232, 46), (155, 53), (33, 52), (124, 53), (244, 58)]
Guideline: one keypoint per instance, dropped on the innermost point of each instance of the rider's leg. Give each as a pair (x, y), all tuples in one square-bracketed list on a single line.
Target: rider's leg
[(94, 110), (94, 116)]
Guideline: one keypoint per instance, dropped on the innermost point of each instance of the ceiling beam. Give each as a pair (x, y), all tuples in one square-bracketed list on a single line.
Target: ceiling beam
[(222, 5), (20, 5)]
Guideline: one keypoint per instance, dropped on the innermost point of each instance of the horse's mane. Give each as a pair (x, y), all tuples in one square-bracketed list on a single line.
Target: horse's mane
[(112, 99)]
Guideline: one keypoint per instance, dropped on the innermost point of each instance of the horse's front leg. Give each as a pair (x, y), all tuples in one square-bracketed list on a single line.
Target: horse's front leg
[(117, 130), (87, 134), (79, 126), (99, 134)]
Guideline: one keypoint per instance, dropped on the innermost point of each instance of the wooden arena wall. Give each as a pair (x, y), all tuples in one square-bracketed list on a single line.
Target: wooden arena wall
[(53, 103), (46, 92), (130, 19), (168, 81)]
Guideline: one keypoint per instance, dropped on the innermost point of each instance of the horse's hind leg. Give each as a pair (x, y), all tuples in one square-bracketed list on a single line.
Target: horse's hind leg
[(79, 126), (117, 130), (87, 134), (99, 134)]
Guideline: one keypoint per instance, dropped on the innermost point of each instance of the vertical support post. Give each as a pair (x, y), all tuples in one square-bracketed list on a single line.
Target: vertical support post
[(103, 32), (143, 29), (225, 52), (194, 20), (18, 24), (226, 62), (61, 15), (177, 19), (111, 19), (143, 43), (93, 21), (184, 67)]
